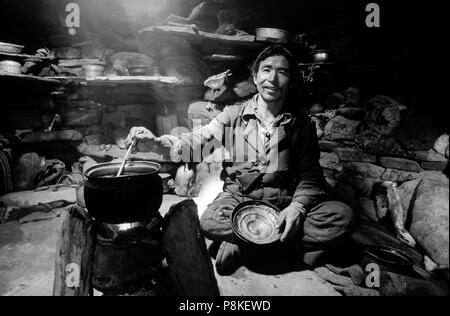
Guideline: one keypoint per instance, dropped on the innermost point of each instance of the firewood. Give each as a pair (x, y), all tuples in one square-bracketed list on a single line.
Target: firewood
[(75, 255), (190, 265)]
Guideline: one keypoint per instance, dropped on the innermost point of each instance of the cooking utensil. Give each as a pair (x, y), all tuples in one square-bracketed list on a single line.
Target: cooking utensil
[(122, 166), (273, 34), (255, 222), (10, 48), (135, 196), (394, 260), (93, 70), (320, 56), (10, 66), (138, 70)]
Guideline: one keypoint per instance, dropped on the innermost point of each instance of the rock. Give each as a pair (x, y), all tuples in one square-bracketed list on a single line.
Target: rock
[(441, 144), (419, 131), (328, 172), (400, 163), (351, 113), (327, 145), (430, 218), (371, 142), (365, 169), (331, 181), (351, 154), (396, 175), (384, 115), (433, 175), (434, 165), (352, 97), (319, 126), (367, 207), (330, 161), (341, 128), (429, 155), (363, 185), (345, 192)]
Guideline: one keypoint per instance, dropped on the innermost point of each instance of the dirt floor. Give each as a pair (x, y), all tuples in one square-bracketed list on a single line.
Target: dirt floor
[(27, 254)]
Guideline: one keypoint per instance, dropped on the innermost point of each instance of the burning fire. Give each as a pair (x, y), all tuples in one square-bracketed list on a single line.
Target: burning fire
[(209, 191)]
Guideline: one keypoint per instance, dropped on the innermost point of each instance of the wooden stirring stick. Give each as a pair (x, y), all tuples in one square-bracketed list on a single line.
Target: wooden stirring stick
[(126, 157)]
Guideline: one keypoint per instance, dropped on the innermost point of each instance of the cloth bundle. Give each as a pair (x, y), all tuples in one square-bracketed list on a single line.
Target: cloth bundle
[(347, 281)]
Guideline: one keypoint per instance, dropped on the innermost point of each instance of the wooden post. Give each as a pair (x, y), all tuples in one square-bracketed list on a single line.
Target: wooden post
[(75, 254), (190, 265)]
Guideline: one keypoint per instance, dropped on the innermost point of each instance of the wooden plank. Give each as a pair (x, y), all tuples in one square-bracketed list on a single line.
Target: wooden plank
[(193, 34), (74, 255), (190, 265), (114, 80), (26, 56), (20, 77)]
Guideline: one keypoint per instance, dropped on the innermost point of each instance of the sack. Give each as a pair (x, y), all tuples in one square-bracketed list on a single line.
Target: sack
[(32, 171)]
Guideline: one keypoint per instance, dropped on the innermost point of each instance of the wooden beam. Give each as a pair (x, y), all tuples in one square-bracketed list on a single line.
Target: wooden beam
[(75, 255), (190, 265)]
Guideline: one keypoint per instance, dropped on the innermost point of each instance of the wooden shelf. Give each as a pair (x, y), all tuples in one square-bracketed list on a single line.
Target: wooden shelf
[(27, 78), (116, 80), (25, 56), (196, 36)]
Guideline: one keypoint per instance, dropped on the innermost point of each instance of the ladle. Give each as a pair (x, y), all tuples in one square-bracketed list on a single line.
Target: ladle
[(122, 166)]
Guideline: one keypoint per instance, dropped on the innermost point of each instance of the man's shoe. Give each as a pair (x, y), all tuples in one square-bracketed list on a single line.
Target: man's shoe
[(228, 258)]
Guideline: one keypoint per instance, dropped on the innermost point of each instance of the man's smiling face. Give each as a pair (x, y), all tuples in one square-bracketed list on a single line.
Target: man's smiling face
[(273, 78)]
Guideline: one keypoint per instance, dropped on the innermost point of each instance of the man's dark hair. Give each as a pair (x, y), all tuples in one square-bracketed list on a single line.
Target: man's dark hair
[(277, 50)]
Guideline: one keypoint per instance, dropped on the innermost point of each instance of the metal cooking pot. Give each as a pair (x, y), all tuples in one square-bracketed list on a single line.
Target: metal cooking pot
[(134, 196)]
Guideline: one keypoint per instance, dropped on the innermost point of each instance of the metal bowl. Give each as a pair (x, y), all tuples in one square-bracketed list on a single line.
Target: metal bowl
[(321, 56), (255, 222), (138, 70), (389, 256), (10, 66), (93, 70)]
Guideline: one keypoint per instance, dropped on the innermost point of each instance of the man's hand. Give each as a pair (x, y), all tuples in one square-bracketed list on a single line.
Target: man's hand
[(141, 134), (147, 141), (290, 220)]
